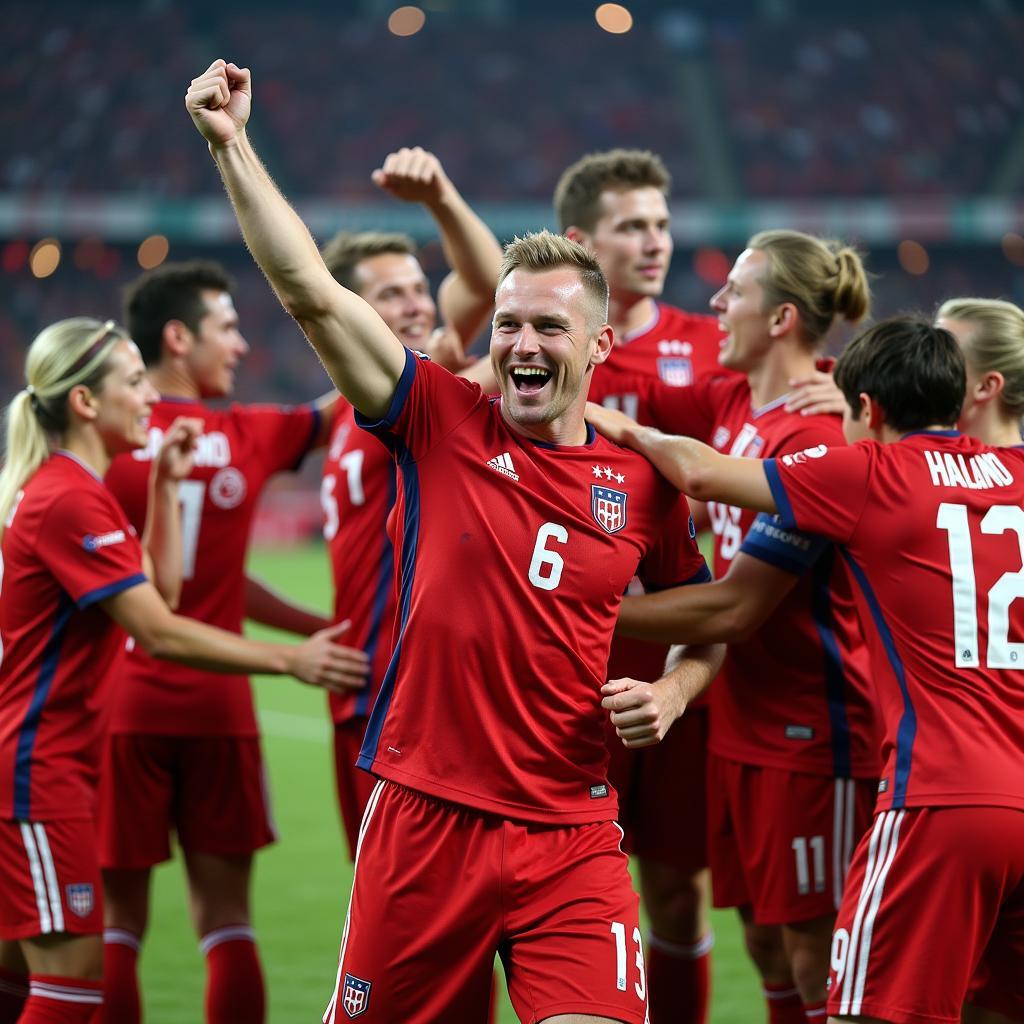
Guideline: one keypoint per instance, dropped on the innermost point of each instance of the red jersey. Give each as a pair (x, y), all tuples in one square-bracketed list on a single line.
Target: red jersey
[(513, 559), (239, 450), (797, 694), (357, 492), (676, 348), (932, 528), (67, 546)]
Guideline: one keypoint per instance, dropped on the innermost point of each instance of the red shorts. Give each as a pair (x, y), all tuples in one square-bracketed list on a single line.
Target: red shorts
[(212, 790), (438, 889), (780, 842), (49, 879), (662, 794), (933, 915), (353, 784)]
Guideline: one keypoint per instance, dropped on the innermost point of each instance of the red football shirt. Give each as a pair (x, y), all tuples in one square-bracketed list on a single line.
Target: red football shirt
[(675, 348), (932, 528), (67, 546), (796, 695), (357, 492), (239, 450), (513, 558)]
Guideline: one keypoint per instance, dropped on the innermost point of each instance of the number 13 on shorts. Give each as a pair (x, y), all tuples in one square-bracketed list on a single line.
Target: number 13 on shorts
[(618, 929)]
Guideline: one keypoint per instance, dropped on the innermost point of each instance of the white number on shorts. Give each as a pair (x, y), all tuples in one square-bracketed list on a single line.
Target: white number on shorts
[(1002, 653), (629, 404), (803, 873), (840, 949), (544, 557), (618, 929), (190, 495)]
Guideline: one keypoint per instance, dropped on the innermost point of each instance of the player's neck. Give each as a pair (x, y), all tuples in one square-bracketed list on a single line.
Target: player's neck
[(173, 382), (87, 447), (567, 430), (770, 380), (990, 427), (628, 313)]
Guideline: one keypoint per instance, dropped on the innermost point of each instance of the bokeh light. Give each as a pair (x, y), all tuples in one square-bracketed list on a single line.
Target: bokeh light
[(153, 251), (1013, 248), (45, 257), (711, 266), (406, 21), (15, 256), (913, 257), (614, 18)]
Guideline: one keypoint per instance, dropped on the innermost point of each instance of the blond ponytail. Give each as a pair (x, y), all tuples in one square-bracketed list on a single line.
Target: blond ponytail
[(63, 356)]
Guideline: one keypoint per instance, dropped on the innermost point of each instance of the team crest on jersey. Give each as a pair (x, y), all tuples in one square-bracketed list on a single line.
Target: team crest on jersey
[(81, 899), (608, 507), (355, 996), (676, 373), (227, 488)]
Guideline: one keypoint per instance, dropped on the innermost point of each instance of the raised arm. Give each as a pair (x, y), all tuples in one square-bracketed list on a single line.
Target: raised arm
[(472, 251), (692, 466), (363, 358)]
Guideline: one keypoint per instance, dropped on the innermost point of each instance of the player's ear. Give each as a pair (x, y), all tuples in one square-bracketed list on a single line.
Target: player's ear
[(873, 413), (604, 343), (176, 337), (990, 385), (82, 403), (575, 234), (785, 319)]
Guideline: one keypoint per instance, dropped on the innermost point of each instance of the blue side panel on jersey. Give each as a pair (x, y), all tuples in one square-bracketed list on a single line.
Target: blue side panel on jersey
[(102, 593), (397, 400), (385, 581), (835, 678), (790, 550), (771, 471), (30, 724), (907, 729), (410, 539)]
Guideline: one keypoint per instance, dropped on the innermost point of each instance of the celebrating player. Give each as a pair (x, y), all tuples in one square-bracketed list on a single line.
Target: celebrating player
[(358, 486), (73, 571), (930, 523), (615, 204), (794, 737), (493, 824), (184, 750)]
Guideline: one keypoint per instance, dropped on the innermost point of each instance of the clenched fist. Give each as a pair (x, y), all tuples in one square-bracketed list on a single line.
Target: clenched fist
[(219, 101)]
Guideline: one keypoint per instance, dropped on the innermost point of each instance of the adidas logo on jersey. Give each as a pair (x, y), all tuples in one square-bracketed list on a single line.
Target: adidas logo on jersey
[(503, 464)]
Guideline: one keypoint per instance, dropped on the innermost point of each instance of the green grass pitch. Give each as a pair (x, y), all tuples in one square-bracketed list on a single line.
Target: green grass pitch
[(301, 883)]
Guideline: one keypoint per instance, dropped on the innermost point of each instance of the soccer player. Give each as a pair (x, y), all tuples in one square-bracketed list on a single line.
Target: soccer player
[(184, 750), (615, 203), (930, 523), (794, 743), (358, 483), (75, 570), (492, 825)]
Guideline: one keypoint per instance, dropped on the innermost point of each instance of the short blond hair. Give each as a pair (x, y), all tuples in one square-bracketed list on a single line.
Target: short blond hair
[(995, 344), (544, 250), (578, 192), (347, 249), (822, 277)]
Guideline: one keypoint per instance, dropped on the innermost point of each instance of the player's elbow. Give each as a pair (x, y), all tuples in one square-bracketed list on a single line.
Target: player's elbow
[(699, 482)]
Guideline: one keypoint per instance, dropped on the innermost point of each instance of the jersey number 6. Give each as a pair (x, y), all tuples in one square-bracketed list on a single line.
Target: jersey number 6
[(546, 567)]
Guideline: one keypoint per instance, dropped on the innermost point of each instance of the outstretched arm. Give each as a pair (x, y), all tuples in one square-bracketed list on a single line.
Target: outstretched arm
[(692, 466), (363, 358), (472, 251)]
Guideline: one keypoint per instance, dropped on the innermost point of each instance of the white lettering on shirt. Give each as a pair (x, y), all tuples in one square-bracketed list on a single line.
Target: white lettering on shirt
[(212, 449), (974, 472)]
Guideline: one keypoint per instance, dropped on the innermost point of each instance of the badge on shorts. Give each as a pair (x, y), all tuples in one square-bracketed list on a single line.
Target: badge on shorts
[(81, 899), (355, 996), (608, 507)]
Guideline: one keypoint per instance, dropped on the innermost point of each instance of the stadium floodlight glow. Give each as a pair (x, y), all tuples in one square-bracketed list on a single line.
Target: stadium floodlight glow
[(614, 18), (913, 257), (153, 251), (406, 21), (45, 257)]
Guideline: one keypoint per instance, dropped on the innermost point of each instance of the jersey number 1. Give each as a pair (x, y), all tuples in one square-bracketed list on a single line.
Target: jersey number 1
[(1002, 653)]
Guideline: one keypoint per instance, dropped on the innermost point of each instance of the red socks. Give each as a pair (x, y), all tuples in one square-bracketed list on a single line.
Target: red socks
[(13, 993), (234, 978), (54, 1000), (678, 980), (816, 1013), (121, 1002), (784, 1005)]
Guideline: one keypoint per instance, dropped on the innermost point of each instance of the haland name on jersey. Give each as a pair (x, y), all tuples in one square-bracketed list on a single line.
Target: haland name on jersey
[(213, 449), (976, 472)]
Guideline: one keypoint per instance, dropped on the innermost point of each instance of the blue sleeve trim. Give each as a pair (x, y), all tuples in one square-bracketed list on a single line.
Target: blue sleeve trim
[(702, 575), (102, 593), (771, 471), (787, 549), (398, 400)]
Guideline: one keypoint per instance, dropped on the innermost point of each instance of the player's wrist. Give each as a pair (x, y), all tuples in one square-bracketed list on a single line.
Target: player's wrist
[(237, 142)]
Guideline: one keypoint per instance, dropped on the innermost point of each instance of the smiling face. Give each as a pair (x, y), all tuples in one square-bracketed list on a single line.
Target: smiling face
[(631, 240), (741, 313), (123, 401), (547, 336), (217, 346), (395, 285)]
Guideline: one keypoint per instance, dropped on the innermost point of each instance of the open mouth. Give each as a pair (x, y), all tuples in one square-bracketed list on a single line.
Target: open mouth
[(529, 380)]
